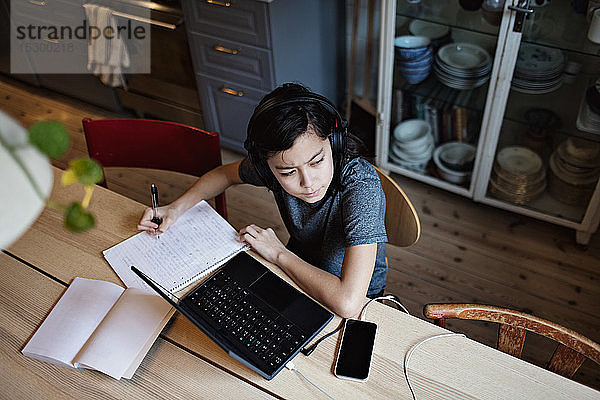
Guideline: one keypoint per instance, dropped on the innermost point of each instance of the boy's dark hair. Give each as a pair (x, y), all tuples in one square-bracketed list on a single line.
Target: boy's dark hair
[(275, 128)]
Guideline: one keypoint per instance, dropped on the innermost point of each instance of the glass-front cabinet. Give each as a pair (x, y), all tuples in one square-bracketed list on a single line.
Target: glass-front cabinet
[(495, 100)]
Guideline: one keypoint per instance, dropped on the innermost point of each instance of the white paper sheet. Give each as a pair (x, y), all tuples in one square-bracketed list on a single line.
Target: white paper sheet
[(72, 320), (124, 332), (198, 242)]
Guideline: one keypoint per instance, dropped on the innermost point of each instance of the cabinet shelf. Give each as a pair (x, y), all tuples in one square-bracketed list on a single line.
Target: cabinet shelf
[(431, 88), (450, 14), (544, 207), (560, 27), (566, 111)]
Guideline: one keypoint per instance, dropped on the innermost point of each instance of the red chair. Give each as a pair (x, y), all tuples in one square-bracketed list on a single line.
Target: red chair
[(142, 143)]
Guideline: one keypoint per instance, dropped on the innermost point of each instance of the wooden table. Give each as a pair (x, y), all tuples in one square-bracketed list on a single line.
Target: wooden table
[(184, 363)]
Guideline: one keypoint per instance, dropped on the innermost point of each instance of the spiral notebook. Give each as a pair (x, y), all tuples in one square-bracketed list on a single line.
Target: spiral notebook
[(199, 242)]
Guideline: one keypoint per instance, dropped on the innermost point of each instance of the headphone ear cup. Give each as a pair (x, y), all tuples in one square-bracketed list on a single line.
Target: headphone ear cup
[(337, 146)]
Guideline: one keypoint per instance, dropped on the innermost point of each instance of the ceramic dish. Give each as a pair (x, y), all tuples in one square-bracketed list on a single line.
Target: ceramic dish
[(581, 153), (458, 177), (536, 58), (413, 158), (516, 198), (411, 42), (527, 180), (428, 29), (415, 131), (408, 165), (411, 47), (519, 160), (566, 192), (415, 147), (464, 55), (586, 178), (457, 156)]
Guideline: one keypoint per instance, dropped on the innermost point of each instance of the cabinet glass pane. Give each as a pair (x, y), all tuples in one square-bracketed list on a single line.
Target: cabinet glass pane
[(548, 153), (439, 90)]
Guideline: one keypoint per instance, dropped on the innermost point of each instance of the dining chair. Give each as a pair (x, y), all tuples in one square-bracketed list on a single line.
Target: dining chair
[(401, 220), (162, 145), (572, 350), (402, 223)]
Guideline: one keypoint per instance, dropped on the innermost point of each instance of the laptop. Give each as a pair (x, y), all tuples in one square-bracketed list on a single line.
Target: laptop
[(255, 316)]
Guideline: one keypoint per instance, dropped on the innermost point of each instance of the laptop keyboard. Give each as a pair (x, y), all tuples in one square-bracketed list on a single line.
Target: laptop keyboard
[(264, 336)]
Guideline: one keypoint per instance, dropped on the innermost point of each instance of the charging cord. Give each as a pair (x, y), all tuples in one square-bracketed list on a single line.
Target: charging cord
[(413, 348), (307, 351), (389, 297), (290, 365)]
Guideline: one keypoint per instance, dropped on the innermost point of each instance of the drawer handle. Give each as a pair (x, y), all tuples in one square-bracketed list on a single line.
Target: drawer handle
[(38, 3), (233, 92), (222, 49), (219, 3)]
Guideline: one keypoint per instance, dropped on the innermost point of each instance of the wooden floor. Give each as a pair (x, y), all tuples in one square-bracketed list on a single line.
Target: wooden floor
[(468, 252)]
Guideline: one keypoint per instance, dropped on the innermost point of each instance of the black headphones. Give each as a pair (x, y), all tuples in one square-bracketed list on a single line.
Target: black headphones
[(336, 137)]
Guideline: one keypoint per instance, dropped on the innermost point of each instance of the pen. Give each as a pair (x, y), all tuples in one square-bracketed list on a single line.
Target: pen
[(155, 218)]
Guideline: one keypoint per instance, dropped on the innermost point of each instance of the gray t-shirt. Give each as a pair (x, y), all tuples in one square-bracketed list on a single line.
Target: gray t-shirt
[(321, 231)]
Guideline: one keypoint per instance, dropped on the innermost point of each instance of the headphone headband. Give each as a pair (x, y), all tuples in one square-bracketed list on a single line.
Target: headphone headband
[(303, 97)]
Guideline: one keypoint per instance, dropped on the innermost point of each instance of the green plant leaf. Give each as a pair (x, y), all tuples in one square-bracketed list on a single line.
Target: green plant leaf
[(87, 171), (50, 137), (77, 219)]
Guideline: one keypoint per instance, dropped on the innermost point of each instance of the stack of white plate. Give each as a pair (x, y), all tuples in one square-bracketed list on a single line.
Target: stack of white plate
[(462, 65), (454, 161), (539, 69), (412, 144), (518, 175)]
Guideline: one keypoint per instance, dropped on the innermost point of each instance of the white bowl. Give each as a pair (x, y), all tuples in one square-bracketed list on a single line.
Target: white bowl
[(415, 148), (411, 42), (457, 156), (428, 29), (414, 131), (418, 158), (448, 174)]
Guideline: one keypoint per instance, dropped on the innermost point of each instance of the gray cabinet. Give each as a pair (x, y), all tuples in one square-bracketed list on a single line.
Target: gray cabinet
[(243, 49)]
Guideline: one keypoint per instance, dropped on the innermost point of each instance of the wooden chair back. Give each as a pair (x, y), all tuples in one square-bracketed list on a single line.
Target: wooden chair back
[(162, 145), (572, 349), (401, 220)]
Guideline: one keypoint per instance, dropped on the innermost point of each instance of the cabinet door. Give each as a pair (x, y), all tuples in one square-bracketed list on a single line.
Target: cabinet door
[(241, 21), (436, 63), (544, 158), (246, 65), (227, 109)]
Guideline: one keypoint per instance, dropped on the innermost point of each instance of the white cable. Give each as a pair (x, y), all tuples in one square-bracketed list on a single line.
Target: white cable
[(413, 348), (387, 297), (290, 365)]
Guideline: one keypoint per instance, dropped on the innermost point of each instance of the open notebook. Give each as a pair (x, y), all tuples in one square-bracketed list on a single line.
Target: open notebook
[(200, 241), (100, 325)]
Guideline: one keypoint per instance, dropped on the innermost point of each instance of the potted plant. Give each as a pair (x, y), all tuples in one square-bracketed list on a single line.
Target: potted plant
[(27, 178)]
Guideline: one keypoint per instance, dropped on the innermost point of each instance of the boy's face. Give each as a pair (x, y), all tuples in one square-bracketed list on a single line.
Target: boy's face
[(305, 170)]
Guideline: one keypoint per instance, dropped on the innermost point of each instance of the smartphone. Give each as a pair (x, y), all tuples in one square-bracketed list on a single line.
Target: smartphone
[(354, 355)]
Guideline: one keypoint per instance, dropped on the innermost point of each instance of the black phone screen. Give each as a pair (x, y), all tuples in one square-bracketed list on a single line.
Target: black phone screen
[(356, 349)]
